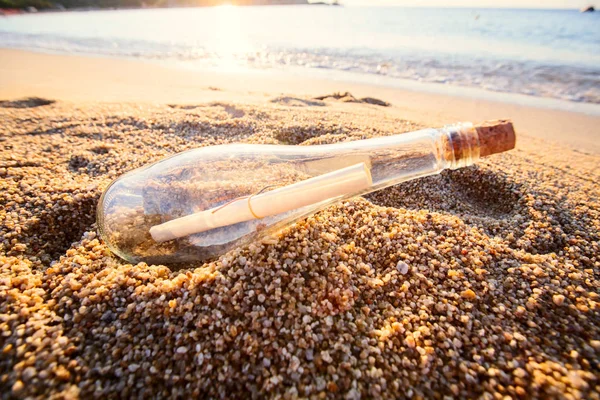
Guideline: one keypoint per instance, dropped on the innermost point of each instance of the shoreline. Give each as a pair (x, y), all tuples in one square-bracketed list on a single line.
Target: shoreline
[(66, 77)]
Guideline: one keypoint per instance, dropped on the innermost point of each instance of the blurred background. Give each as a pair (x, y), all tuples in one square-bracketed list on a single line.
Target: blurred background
[(544, 49)]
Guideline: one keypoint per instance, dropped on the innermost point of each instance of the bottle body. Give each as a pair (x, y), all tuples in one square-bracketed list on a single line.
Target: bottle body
[(271, 185)]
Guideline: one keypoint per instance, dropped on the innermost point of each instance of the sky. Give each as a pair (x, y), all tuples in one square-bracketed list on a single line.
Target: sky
[(576, 4)]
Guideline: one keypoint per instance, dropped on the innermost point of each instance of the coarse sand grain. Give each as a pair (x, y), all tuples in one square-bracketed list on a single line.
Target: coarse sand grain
[(477, 283)]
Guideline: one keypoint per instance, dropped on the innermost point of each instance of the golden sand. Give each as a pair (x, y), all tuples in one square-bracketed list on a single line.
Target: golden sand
[(481, 282)]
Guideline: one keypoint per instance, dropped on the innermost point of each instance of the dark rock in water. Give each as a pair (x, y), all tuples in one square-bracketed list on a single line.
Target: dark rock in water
[(588, 9)]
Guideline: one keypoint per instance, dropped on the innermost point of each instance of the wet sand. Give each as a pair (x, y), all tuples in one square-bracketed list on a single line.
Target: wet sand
[(77, 78), (481, 282)]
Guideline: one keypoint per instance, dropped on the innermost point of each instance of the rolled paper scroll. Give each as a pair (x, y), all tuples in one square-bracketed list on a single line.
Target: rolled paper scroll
[(350, 180)]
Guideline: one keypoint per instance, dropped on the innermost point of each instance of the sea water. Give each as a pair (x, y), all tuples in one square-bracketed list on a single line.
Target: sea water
[(549, 53)]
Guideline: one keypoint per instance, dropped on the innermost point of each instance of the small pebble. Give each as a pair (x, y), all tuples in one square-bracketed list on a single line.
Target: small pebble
[(17, 387), (402, 267), (558, 299), (468, 294)]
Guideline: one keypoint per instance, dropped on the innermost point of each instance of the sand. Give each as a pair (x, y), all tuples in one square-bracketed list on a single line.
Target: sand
[(77, 78), (481, 282)]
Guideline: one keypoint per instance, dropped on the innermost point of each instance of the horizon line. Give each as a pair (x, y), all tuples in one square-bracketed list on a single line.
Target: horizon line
[(474, 6)]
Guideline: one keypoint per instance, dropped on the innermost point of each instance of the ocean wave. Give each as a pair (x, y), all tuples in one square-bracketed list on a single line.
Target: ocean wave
[(567, 82)]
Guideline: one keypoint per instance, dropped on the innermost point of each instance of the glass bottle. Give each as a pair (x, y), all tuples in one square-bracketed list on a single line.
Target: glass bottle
[(201, 203)]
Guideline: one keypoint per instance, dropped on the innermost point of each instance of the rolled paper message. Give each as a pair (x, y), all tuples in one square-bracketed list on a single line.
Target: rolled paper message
[(353, 179)]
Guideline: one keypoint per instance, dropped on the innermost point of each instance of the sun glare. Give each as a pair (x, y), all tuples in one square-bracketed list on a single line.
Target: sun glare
[(232, 46)]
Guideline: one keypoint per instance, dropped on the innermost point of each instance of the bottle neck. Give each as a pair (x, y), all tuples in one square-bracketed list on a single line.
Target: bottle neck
[(459, 145)]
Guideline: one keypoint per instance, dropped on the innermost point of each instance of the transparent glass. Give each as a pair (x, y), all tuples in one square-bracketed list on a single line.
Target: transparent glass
[(213, 178)]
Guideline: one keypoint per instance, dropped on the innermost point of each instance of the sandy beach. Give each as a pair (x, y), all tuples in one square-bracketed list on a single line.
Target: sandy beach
[(77, 78), (477, 283)]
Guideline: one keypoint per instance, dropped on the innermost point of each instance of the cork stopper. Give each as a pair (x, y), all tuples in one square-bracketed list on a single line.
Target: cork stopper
[(495, 137)]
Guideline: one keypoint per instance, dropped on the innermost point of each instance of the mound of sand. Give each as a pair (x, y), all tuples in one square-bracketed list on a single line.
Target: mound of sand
[(477, 282)]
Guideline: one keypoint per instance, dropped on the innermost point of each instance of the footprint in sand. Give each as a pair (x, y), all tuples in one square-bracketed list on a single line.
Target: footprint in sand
[(28, 102)]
